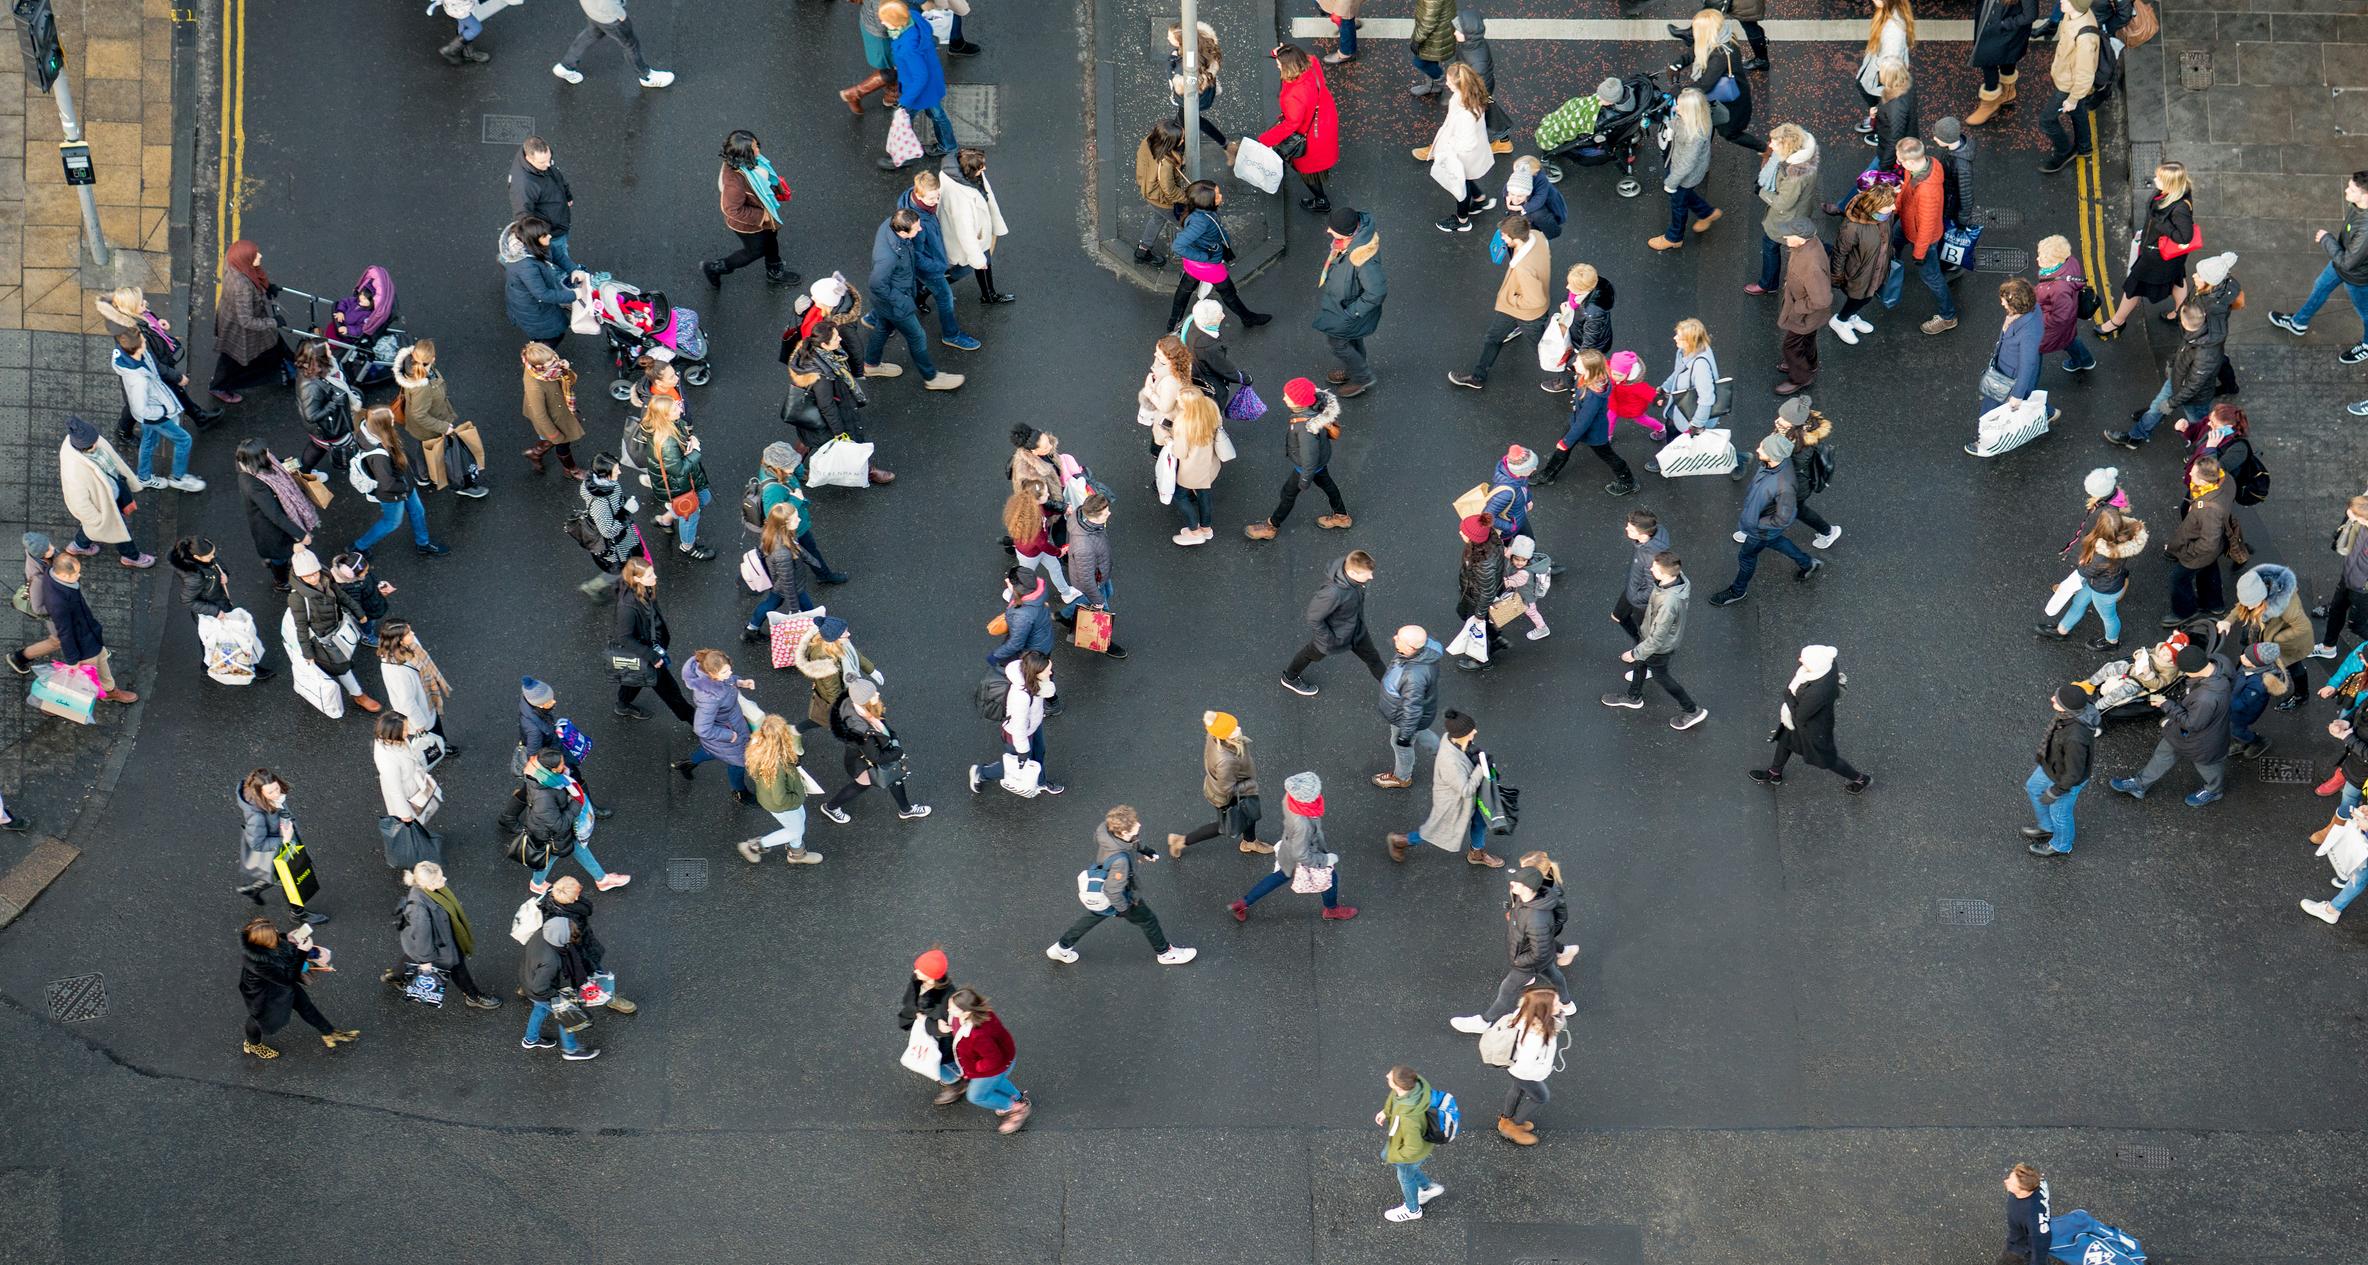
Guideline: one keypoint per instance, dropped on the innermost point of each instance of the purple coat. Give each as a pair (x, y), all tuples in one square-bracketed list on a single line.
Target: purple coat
[(722, 730)]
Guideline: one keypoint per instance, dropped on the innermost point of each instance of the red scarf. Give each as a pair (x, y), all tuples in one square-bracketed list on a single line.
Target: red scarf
[(1304, 808)]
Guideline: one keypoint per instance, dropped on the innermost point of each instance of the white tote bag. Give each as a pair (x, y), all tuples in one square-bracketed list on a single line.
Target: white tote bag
[(1024, 778), (839, 463), (310, 683), (2010, 425), (1255, 164), (232, 649), (1225, 449), (1163, 474), (2062, 597), (1702, 452), (920, 1050), (583, 317), (1472, 640)]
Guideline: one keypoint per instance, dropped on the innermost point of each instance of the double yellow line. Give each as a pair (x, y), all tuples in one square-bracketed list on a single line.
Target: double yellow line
[(2093, 240), (232, 153)]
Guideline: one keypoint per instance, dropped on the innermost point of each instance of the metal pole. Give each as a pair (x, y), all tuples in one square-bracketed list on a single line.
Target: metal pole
[(1191, 93), (70, 124)]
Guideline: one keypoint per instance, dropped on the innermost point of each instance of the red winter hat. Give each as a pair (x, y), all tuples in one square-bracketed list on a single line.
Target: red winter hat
[(931, 964), (1478, 528), (1299, 393)]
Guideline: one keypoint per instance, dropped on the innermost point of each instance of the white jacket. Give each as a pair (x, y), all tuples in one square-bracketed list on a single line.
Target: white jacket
[(143, 390), (406, 694), (1894, 43), (969, 217), (1459, 151), (403, 781), (1533, 1055), (1023, 713)]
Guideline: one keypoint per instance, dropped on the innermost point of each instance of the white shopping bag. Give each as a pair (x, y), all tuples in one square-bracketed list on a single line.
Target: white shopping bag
[(311, 684), (2346, 849), (1024, 778), (920, 1049), (1471, 640), (2062, 597), (941, 24), (839, 463), (1701, 452), (232, 648), (1255, 164), (1554, 341), (1163, 474), (2011, 425), (583, 317)]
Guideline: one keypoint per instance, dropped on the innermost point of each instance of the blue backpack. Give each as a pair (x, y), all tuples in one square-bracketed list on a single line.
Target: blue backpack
[(1092, 888), (2078, 1238), (1445, 1118)]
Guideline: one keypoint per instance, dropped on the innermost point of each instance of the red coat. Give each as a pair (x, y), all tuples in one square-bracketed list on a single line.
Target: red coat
[(1920, 208), (1307, 107), (985, 1050)]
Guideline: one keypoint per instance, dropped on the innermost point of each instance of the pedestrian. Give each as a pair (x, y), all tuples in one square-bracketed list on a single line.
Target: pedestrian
[(825, 402), (1409, 703), (1213, 369), (1028, 521), (920, 79), (1895, 108), (2001, 31), (548, 384), (1522, 297), (549, 818), (1479, 582), (328, 626), (1770, 505), (2195, 727), (1117, 850), (873, 755), (1811, 432), (1164, 383), (415, 688), (2257, 677), (926, 991), (426, 414), (1648, 539), (876, 55), (1535, 912), (717, 721), (2190, 381), (972, 221), (1588, 298), (1343, 15), (1160, 179), (2061, 284), (783, 569), (1027, 684), (1534, 198), (1689, 169), (780, 789), (1590, 424), (1890, 36), (1508, 494), (100, 492), (1460, 155), (1953, 150), (1191, 445), (608, 19), (679, 462), (203, 586), (158, 410), (751, 195), (895, 279), (433, 931), (1920, 226), (2205, 532), (2061, 771), (125, 310), (2169, 235), (2329, 911), (266, 825), (2267, 609), (584, 955), (1456, 775), (1229, 782), (2027, 1234), (1300, 858), (1661, 630), (1089, 561), (2347, 606), (393, 484), (1307, 445), (2101, 560), (1808, 303), (1788, 187), (1027, 622), (1862, 252), (1537, 1046), (247, 347), (983, 1056), (779, 482), (1308, 113), (1404, 1121), (1717, 71), (641, 636), (536, 295), (1335, 621), (271, 980), (327, 408), (540, 189), (930, 261), (827, 658), (2012, 373), (2072, 73), (39, 552), (610, 513), (2347, 266), (1202, 255), (542, 977), (1805, 723), (1209, 58)]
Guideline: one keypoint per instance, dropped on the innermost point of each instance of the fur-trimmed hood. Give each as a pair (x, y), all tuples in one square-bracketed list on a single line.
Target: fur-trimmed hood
[(406, 376), (2130, 548)]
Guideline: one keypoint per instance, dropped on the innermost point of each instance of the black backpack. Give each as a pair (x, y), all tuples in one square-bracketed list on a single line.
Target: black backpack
[(1820, 475), (2249, 477), (2108, 71), (994, 694)]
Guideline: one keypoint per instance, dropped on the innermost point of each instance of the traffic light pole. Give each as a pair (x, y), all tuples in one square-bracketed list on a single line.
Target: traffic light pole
[(1189, 45), (70, 125)]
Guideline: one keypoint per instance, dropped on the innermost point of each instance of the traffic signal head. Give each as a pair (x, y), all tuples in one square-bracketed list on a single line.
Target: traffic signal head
[(37, 33)]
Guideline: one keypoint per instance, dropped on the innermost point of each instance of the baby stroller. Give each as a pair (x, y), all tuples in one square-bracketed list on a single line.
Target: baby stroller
[(361, 331), (1591, 131), (2127, 687), (636, 321)]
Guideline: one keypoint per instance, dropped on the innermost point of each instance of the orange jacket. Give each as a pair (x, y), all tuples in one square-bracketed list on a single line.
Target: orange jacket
[(1920, 207)]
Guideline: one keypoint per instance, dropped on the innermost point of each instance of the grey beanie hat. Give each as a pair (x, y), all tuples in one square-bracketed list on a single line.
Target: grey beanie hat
[(536, 692), (1612, 93), (780, 455), (556, 932), (2101, 481), (1794, 411), (1776, 448), (37, 544), (2251, 589), (1307, 788)]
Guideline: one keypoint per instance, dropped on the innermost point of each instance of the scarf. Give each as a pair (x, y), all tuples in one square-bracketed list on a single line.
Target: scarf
[(431, 679), (1304, 807), (241, 258), (558, 371), (762, 180), (1816, 661), (1770, 168), (2197, 489), (293, 502), (462, 939)]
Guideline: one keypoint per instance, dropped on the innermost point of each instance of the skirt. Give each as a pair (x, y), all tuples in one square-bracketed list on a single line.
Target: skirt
[(2153, 277)]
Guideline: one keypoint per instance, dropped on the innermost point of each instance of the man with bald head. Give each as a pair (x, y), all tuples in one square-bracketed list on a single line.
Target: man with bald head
[(1409, 703)]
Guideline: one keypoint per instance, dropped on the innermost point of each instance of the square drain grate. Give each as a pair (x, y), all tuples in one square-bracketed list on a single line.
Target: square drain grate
[(1997, 216), (2153, 1157), (687, 874), (2297, 772), (1967, 913), (505, 129), (77, 998), (2001, 259), (976, 111)]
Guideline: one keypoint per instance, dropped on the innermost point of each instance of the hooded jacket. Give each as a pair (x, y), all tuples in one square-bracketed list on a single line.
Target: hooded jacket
[(1455, 779), (1119, 880), (427, 410), (1592, 328), (542, 193), (1410, 692), (1028, 625), (1351, 286), (1920, 207), (2283, 619), (1402, 1124), (893, 271), (536, 297), (2196, 723), (1529, 933), (1336, 614), (2064, 751), (721, 729), (1307, 441), (1664, 622), (542, 969), (1508, 502), (2107, 569), (424, 930), (319, 613), (259, 834), (1544, 209), (1795, 191), (2202, 535), (1805, 725), (144, 390), (2194, 370), (1957, 191), (1639, 589), (1433, 37)]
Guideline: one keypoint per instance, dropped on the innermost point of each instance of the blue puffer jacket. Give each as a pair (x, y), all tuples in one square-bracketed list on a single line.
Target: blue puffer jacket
[(1546, 209), (1508, 502), (1201, 239), (1410, 692), (536, 297), (920, 76), (722, 730), (894, 268), (1029, 624), (929, 253)]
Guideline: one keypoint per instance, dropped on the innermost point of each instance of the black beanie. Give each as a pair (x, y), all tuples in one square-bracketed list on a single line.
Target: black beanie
[(1344, 221), (2072, 697), (2192, 657)]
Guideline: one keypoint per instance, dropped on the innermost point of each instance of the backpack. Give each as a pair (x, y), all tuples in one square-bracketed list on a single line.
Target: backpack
[(2108, 71), (2250, 478), (1092, 882), (993, 696), (1821, 469), (1443, 1119), (752, 503), (360, 477)]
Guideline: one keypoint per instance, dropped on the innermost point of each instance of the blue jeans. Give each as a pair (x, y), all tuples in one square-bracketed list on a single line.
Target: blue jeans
[(686, 530), (534, 1026), (2324, 287), (1103, 591), (2055, 818), (771, 603), (1929, 271), (2343, 899), (2108, 610), (390, 516), (2245, 706), (908, 324), (2078, 356), (154, 433), (1411, 1181), (1747, 557), (941, 292), (1430, 68), (2195, 411), (1276, 878), (995, 1093), (560, 259), (1348, 37), (945, 128), (1771, 262), (1195, 504), (1475, 832), (733, 773), (993, 769), (1685, 203)]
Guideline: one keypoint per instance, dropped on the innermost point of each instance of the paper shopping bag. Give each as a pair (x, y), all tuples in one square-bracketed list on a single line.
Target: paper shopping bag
[(785, 629), (1471, 502), (293, 867), (1506, 609), (433, 450), (1702, 452), (1093, 631), (2011, 425), (315, 488), (1254, 163)]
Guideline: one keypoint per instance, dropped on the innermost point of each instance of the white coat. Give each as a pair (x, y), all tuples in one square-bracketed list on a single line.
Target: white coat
[(407, 694), (144, 392), (90, 482), (1533, 1055), (1459, 151), (1023, 712), (971, 220), (403, 780)]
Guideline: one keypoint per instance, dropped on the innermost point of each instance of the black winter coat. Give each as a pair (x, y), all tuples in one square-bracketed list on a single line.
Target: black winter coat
[(542, 969), (2196, 724), (928, 1005), (275, 535), (2001, 30), (267, 982), (1811, 736), (203, 590), (587, 946), (2064, 752), (1529, 934), (640, 622), (1336, 614)]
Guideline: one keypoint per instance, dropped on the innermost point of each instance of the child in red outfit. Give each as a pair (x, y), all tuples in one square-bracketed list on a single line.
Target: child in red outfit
[(1631, 397)]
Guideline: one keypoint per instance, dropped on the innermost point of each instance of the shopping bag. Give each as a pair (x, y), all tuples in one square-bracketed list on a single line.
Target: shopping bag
[(2062, 597), (433, 450), (921, 1054), (1163, 475), (527, 923), (839, 463), (293, 867), (1093, 631), (1701, 452), (407, 843), (1225, 449), (467, 461), (1892, 282), (1471, 641), (316, 489), (785, 629), (568, 1012), (2346, 850), (1554, 341), (2011, 425), (941, 24), (66, 691), (754, 573), (1245, 406), (1311, 880), (1024, 778), (231, 647), (1506, 609), (1473, 501), (583, 315), (431, 751), (1257, 165), (903, 145), (1956, 245), (426, 986), (314, 687)]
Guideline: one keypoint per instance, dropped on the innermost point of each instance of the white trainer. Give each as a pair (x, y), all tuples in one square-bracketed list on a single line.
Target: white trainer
[(1059, 954), (1177, 955), (561, 70)]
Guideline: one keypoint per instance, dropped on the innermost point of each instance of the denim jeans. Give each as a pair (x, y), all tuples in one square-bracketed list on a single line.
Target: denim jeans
[(1929, 271), (2214, 775), (2324, 287), (941, 292), (1057, 574), (993, 769), (534, 1026), (390, 516), (1685, 204), (1771, 262), (560, 259), (1430, 68), (772, 602), (1276, 878), (155, 433), (2351, 890), (2078, 356), (1348, 36), (583, 856), (733, 773), (1403, 759), (2055, 818), (792, 834), (944, 128), (1412, 1181), (1194, 502), (686, 531), (2245, 705), (915, 341), (1747, 556), (1475, 834), (126, 548), (2194, 410), (2108, 610), (995, 1093)]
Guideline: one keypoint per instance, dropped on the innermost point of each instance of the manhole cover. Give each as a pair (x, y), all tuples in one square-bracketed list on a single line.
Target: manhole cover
[(2195, 70), (2001, 259), (78, 998), (2142, 1157), (505, 129), (978, 119), (2298, 772), (1967, 913), (1997, 216), (687, 874)]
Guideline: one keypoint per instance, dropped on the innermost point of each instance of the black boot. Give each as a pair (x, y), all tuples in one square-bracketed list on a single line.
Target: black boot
[(1552, 469), (451, 52), (775, 274), (987, 293)]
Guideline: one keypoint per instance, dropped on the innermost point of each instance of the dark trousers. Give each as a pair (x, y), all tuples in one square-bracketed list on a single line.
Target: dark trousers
[(1771, 262), (1523, 1099), (305, 1010), (1851, 307), (1612, 462), (669, 693), (233, 375), (733, 773), (754, 246), (1656, 668), (1841, 767), (2198, 589), (1138, 913), (1684, 205), (1290, 496), (1502, 327), (620, 30), (1624, 614), (1800, 357), (2348, 608), (1187, 286), (1228, 817), (1747, 556), (1351, 354), (1508, 989), (1362, 647), (1810, 518), (2064, 140), (1469, 205)]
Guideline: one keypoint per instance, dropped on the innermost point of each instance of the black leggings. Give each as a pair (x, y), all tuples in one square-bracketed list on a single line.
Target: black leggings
[(1314, 180), (305, 1010), (1223, 826), (1469, 204), (856, 765), (1187, 285), (1810, 518), (669, 693), (1757, 35), (1990, 77), (2348, 608), (1290, 495), (1851, 307), (1841, 767), (754, 246)]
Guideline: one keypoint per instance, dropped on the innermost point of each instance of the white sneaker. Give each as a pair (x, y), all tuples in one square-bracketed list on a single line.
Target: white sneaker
[(1177, 955), (2322, 652), (1847, 331), (1401, 1212), (1186, 537), (1862, 325), (1825, 539), (1567, 1009), (2322, 911), (154, 483), (1738, 537), (1473, 1024), (572, 76), (1539, 633), (1059, 954), (884, 369), (942, 382), (657, 79), (187, 483), (1429, 1193)]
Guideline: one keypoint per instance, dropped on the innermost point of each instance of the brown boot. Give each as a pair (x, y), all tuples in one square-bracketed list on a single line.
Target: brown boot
[(1398, 848), (535, 454), (1176, 846), (1259, 531), (854, 95), (1255, 848), (2319, 836), (893, 93), (1489, 859), (1515, 1132), (1334, 521), (1993, 100)]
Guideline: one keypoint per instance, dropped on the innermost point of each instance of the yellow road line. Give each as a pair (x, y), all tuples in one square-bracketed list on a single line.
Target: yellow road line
[(231, 153), (239, 126)]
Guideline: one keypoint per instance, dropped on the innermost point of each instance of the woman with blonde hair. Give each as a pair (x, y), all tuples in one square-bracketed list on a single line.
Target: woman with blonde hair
[(785, 566), (679, 471), (780, 789), (1460, 153), (2168, 237), (394, 486), (1229, 782), (1210, 58), (549, 383), (126, 310), (1895, 108), (1192, 443), (1890, 34), (1719, 72), (415, 687), (1164, 386), (1691, 388), (1689, 167)]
